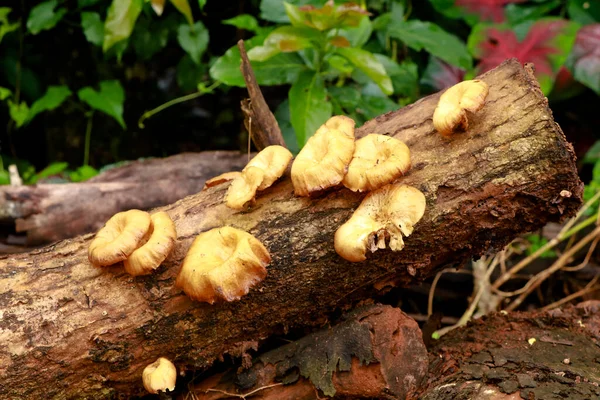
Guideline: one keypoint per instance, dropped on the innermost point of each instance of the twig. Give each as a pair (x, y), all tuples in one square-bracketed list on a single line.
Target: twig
[(587, 289), (558, 264), (15, 179), (586, 260), (265, 131), (243, 396)]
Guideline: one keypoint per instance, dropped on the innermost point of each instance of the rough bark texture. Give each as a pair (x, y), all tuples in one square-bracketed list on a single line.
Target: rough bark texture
[(72, 330), (492, 357), (375, 352), (50, 212)]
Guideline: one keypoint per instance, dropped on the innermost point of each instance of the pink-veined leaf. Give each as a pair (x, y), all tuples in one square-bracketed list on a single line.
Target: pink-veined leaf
[(486, 10), (440, 75), (585, 57), (547, 45)]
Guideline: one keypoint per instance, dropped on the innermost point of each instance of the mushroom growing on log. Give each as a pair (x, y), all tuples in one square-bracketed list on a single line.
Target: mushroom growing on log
[(71, 330)]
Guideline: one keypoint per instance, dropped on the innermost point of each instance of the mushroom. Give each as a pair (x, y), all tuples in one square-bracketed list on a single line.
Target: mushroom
[(223, 263), (451, 112), (377, 161), (323, 161), (159, 376), (384, 214), (217, 180), (260, 173), (160, 241), (119, 237)]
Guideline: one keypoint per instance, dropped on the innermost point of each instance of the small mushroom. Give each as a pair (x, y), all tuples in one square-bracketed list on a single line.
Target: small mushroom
[(161, 239), (260, 173), (377, 161), (323, 161), (119, 237), (450, 114), (384, 214), (159, 376), (217, 180), (223, 263)]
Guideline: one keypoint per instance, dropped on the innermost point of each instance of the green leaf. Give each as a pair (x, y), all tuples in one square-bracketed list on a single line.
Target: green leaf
[(368, 63), (404, 76), (184, 7), (536, 242), (120, 21), (201, 3), (370, 107), (309, 108), (585, 12), (54, 97), (280, 69), (282, 114), (18, 112), (244, 21), (593, 154), (194, 40), (274, 10), (83, 173), (4, 177), (53, 169), (44, 17), (427, 36), (109, 99), (5, 93), (517, 13), (5, 25), (285, 39), (151, 36), (358, 35), (93, 27)]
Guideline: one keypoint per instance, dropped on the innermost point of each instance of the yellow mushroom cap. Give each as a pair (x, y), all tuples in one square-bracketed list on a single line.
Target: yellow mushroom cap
[(377, 161), (119, 237), (384, 214), (450, 114), (323, 161), (161, 239), (159, 376), (225, 177), (260, 173), (223, 263)]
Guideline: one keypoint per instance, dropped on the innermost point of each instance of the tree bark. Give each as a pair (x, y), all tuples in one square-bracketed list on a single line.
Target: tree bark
[(72, 330), (50, 212), (541, 355)]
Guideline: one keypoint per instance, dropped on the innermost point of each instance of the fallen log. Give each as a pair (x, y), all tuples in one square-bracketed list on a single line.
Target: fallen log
[(71, 330), (50, 212), (538, 355), (375, 352)]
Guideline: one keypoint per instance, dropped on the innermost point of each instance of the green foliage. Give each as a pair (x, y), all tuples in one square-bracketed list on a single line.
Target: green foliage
[(82, 173), (309, 107), (5, 25), (109, 99), (45, 16), (120, 21), (535, 243), (18, 112), (53, 98), (193, 39), (93, 27), (244, 21)]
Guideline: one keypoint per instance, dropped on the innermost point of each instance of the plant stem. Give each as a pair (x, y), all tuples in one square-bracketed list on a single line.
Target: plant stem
[(178, 100), (88, 138)]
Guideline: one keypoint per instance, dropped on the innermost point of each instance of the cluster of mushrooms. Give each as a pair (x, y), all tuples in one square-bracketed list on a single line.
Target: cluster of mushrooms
[(224, 263)]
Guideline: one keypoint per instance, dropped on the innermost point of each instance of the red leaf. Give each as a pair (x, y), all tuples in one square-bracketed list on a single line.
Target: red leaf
[(487, 10), (536, 47), (587, 45), (440, 75)]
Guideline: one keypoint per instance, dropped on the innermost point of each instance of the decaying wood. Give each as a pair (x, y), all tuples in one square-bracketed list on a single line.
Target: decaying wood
[(259, 120), (376, 352), (50, 212), (541, 355), (71, 330)]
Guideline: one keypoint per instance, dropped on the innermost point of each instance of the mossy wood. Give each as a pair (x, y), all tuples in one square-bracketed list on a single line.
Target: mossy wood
[(70, 330)]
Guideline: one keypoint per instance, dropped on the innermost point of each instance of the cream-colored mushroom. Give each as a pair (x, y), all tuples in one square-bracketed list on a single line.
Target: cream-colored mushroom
[(161, 239), (450, 115), (119, 237), (159, 376), (324, 159), (377, 161), (383, 216), (223, 263), (260, 173), (217, 180)]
